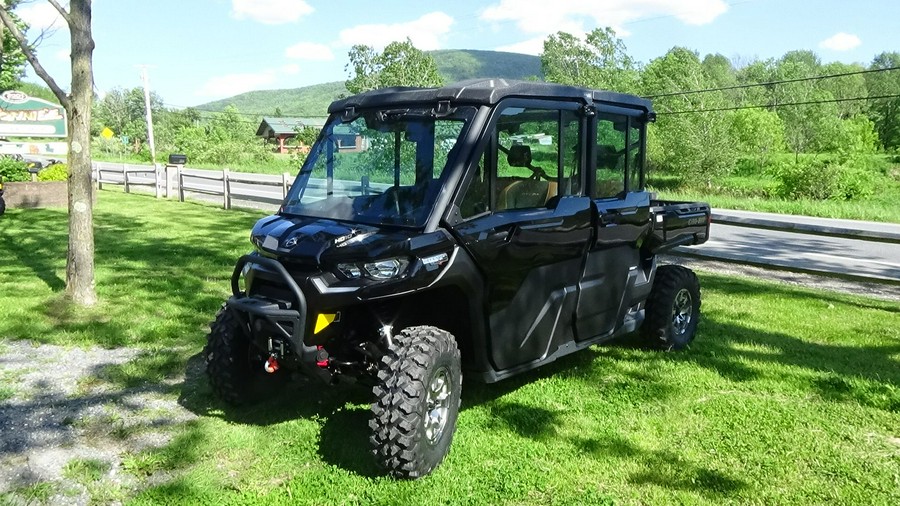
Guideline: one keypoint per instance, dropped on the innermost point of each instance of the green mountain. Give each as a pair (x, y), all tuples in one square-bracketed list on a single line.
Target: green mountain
[(453, 64), (461, 64)]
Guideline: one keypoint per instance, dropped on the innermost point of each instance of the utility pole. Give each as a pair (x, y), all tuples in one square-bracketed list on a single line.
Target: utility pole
[(146, 81)]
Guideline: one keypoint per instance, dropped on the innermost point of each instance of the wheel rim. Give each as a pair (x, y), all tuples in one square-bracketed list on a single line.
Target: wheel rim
[(682, 311), (437, 406)]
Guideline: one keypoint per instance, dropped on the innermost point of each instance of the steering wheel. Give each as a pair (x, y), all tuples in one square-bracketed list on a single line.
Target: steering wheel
[(538, 173)]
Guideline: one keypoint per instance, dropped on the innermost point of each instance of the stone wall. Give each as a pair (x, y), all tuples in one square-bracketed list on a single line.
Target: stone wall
[(37, 194)]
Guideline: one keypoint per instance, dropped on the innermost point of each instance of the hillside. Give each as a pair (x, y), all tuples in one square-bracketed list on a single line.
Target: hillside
[(460, 64), (453, 64)]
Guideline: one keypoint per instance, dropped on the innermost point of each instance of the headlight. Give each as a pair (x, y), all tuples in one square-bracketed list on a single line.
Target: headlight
[(384, 269), (381, 270)]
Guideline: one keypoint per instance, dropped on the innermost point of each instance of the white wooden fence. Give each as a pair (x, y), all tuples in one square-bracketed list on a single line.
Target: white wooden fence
[(167, 180)]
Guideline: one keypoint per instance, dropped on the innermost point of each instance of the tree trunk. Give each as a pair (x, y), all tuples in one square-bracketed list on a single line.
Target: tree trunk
[(80, 264)]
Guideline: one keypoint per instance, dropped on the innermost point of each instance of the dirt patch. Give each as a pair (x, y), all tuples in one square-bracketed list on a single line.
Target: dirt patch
[(56, 415)]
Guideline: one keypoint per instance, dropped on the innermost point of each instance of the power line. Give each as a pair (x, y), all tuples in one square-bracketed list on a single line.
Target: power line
[(771, 83), (765, 106)]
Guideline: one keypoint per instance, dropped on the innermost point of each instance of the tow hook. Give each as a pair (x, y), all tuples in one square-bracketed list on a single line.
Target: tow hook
[(271, 364), (321, 356)]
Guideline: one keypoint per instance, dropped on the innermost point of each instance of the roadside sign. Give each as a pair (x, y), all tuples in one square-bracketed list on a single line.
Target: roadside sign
[(24, 116), (106, 133)]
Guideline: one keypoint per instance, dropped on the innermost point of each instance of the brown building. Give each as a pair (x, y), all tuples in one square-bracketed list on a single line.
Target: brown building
[(278, 130)]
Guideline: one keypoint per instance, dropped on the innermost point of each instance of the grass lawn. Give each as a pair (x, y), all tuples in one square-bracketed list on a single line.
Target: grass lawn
[(788, 396)]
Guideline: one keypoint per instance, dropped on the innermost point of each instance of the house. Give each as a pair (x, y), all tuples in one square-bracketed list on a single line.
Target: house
[(279, 130)]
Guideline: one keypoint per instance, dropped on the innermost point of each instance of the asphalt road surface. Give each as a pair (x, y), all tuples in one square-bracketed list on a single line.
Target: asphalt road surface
[(852, 258)]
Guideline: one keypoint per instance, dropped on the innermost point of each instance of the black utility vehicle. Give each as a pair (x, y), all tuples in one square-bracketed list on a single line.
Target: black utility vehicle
[(489, 227), (2, 202)]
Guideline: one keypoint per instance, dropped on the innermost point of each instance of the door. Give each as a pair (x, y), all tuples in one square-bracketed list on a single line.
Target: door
[(528, 228), (613, 273)]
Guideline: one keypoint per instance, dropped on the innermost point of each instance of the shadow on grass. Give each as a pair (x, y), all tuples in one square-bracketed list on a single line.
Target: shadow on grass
[(666, 469), (167, 265)]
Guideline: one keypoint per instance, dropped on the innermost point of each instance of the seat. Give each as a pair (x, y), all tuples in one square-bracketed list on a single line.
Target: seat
[(526, 193)]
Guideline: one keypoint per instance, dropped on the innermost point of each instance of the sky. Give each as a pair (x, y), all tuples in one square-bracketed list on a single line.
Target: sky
[(197, 51)]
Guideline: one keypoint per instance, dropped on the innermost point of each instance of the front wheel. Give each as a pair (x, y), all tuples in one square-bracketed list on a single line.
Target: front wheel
[(234, 365), (417, 397), (673, 309)]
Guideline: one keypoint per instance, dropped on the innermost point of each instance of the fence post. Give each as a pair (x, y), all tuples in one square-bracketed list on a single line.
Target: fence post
[(168, 182), (99, 176), (285, 178), (180, 176), (226, 185), (158, 183), (125, 176)]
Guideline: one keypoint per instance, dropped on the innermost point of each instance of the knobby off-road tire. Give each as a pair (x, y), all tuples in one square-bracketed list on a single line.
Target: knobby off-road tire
[(417, 398), (673, 309), (233, 365)]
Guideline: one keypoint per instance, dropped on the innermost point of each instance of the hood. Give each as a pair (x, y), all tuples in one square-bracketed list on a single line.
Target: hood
[(314, 240)]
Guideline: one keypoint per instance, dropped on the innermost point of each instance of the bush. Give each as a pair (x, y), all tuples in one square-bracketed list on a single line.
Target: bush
[(822, 179), (55, 172), (12, 170)]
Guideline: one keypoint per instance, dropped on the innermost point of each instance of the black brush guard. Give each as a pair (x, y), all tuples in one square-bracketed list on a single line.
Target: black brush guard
[(270, 310)]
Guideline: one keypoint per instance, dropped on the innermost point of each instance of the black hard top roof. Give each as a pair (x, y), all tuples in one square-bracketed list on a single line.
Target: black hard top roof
[(486, 92)]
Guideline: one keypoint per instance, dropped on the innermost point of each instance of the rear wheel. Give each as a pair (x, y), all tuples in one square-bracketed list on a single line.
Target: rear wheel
[(233, 364), (417, 397), (673, 309)]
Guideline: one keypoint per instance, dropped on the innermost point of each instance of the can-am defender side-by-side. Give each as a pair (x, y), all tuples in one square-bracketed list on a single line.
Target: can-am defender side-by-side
[(485, 228)]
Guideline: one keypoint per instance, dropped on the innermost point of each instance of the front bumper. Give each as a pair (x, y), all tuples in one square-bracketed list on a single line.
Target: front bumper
[(288, 318)]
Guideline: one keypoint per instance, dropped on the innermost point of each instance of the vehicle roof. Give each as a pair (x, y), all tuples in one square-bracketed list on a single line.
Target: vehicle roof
[(486, 92)]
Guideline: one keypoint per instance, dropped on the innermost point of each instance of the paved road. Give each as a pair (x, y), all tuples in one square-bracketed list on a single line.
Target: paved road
[(852, 258), (844, 253)]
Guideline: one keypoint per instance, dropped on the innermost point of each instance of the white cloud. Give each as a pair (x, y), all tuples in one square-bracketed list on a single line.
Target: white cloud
[(41, 16), (538, 18), (533, 46), (309, 51), (426, 32), (841, 42), (233, 84), (270, 12)]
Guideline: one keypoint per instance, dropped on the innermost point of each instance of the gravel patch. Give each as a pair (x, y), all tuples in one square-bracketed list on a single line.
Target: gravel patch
[(56, 410)]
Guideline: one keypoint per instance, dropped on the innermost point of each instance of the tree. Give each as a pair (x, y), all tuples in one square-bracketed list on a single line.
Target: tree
[(12, 59), (400, 64), (123, 112), (599, 61), (80, 258), (695, 142), (815, 125), (757, 132), (885, 112)]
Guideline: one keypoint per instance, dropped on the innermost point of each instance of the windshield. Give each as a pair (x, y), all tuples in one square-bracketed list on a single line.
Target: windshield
[(383, 167)]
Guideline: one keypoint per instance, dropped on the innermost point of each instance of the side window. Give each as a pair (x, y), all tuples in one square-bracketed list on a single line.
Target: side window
[(635, 157), (536, 156), (610, 173), (528, 158), (476, 199)]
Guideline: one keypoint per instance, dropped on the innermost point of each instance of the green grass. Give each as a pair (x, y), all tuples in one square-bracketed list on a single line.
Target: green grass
[(279, 164), (756, 191), (788, 396), (85, 471), (883, 208)]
